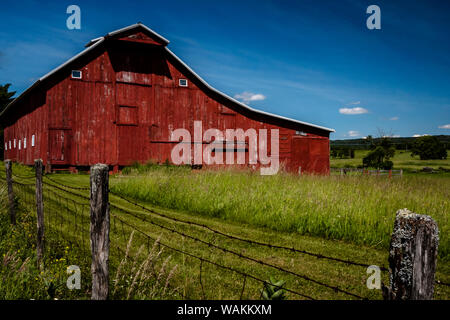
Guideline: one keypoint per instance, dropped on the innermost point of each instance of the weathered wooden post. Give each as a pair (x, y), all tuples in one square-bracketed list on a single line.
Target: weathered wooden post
[(39, 211), (412, 257), (100, 231), (9, 182)]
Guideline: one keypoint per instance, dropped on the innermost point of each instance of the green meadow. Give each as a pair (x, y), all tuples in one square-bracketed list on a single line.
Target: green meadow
[(402, 160)]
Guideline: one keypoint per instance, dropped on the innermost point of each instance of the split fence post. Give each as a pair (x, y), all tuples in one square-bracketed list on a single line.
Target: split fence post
[(39, 211), (9, 182), (99, 231), (412, 257)]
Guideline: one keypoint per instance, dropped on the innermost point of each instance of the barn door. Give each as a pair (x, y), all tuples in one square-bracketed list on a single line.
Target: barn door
[(59, 146), (132, 114), (300, 154), (128, 144), (311, 154)]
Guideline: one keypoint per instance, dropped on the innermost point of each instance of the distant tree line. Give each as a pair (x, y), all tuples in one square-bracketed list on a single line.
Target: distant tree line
[(342, 152), (383, 149), (5, 99)]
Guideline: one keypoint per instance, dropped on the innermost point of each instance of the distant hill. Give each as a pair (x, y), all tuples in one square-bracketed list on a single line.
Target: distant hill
[(400, 142)]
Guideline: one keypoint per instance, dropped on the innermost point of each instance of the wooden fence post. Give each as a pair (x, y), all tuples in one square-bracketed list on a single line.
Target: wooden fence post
[(100, 231), (412, 257), (39, 211), (9, 182)]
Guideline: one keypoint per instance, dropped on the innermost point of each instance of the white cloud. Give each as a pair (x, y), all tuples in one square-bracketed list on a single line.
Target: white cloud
[(248, 96), (420, 135), (445, 126), (353, 133), (354, 103), (356, 110), (393, 118)]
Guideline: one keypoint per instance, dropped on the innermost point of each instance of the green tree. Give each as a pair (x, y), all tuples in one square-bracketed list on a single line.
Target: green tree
[(5, 99), (428, 147), (380, 155)]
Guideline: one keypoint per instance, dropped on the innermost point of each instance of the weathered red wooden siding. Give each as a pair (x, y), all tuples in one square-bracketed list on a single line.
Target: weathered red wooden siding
[(127, 104)]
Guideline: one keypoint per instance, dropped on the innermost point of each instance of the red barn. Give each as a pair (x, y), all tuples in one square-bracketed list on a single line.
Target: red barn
[(119, 100)]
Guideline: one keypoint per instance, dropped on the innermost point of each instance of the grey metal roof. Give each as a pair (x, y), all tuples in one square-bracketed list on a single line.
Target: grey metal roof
[(97, 41)]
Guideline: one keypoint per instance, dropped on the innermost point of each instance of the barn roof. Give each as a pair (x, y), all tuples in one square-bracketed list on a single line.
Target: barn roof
[(97, 41)]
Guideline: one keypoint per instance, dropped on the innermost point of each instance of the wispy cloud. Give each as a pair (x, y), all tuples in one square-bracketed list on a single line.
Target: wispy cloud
[(354, 103), (394, 118), (351, 111), (248, 96), (445, 126), (353, 133)]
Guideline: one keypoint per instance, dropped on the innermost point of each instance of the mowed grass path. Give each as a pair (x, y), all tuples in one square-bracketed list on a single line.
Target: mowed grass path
[(173, 187)]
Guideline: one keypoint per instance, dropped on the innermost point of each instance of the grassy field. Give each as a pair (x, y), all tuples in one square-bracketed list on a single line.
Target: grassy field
[(402, 160), (349, 218), (356, 209)]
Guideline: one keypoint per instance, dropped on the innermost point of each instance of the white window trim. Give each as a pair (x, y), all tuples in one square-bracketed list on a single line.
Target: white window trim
[(20, 144), (32, 140), (179, 82), (24, 143), (80, 77), (10, 144), (6, 146), (14, 143)]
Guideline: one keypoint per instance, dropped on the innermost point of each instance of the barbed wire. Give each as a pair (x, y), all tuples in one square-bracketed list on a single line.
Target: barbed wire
[(292, 249), (68, 191), (242, 256), (209, 261), (22, 177), (64, 185)]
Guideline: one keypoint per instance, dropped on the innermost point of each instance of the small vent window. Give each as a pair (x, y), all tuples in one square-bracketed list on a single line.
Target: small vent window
[(24, 143), (76, 74), (32, 140), (6, 146), (183, 82), (300, 133)]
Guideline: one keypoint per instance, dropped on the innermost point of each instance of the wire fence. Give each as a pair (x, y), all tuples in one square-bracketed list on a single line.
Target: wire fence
[(366, 172), (67, 215)]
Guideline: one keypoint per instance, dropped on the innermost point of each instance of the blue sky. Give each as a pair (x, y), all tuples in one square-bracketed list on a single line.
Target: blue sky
[(314, 61)]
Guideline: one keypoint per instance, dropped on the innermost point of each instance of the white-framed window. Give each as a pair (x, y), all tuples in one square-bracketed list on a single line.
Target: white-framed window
[(183, 82), (9, 144), (76, 74), (20, 144), (32, 140), (24, 143), (14, 143), (6, 146)]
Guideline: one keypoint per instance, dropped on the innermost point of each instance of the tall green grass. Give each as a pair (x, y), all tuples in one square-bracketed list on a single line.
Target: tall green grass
[(353, 208)]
